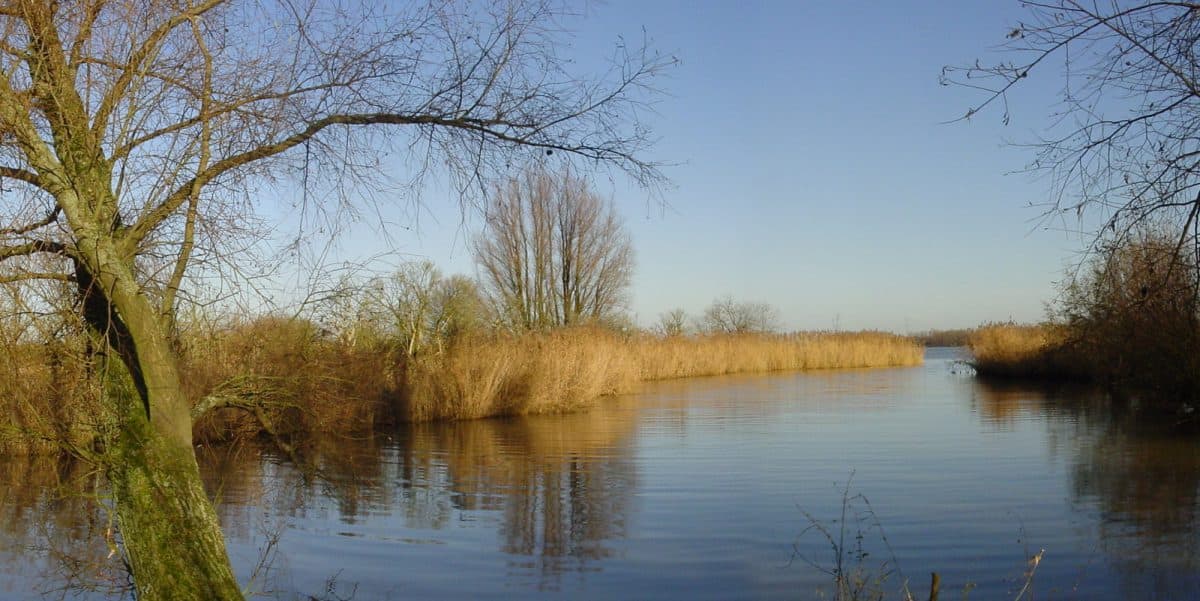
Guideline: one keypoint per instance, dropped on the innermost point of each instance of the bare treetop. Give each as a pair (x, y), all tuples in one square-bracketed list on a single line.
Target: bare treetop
[(1125, 138), (189, 103)]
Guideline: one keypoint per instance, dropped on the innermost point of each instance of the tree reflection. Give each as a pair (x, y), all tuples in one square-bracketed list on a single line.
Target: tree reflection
[(1140, 471), (559, 487), (562, 485), (54, 535)]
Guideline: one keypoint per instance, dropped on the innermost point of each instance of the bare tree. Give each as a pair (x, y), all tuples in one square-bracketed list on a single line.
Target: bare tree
[(420, 309), (673, 322), (553, 252), (1125, 139), (133, 131), (727, 316)]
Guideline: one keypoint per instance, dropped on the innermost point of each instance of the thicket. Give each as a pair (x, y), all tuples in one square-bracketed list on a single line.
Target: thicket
[(1130, 320)]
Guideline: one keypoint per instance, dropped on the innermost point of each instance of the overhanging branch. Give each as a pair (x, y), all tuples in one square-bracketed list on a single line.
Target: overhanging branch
[(25, 276), (498, 130), (28, 177)]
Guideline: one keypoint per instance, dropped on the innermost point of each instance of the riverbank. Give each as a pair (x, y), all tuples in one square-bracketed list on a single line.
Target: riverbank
[(288, 379), (571, 369), (1026, 351), (1149, 371)]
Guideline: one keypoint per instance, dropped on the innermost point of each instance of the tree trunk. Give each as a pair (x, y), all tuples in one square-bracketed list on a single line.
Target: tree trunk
[(169, 529), (168, 526)]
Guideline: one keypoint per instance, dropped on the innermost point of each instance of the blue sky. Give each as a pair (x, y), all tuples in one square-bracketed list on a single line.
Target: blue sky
[(815, 171)]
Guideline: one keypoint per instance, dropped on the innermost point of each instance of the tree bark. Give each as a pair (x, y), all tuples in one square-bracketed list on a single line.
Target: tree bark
[(172, 539), (171, 536)]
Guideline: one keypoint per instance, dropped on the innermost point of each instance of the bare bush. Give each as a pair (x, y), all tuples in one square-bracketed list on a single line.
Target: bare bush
[(727, 316)]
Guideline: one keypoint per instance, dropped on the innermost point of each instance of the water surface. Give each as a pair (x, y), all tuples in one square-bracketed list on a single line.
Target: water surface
[(697, 489)]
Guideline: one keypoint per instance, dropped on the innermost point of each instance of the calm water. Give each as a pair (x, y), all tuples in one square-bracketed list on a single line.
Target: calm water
[(696, 489)]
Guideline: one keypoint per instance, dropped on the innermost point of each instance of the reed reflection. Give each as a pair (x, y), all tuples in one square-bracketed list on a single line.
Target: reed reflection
[(560, 487), (1140, 471)]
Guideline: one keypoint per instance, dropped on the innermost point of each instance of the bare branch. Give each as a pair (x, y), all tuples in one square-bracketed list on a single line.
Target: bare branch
[(33, 248), (29, 227), (134, 65)]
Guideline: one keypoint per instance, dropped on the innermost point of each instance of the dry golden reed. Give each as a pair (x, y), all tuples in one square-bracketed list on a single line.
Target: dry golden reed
[(559, 371), (571, 369), (295, 380), (1028, 351), (47, 397), (685, 357)]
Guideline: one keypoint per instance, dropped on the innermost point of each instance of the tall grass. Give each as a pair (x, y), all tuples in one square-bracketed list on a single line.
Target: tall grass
[(1025, 351), (571, 369), (516, 375), (47, 397), (290, 379), (660, 358)]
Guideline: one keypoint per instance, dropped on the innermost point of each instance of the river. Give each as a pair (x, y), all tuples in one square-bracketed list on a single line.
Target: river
[(712, 488)]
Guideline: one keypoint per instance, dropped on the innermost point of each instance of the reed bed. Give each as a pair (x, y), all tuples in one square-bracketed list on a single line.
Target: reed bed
[(47, 397), (291, 380), (554, 372), (1039, 351), (571, 369), (686, 357)]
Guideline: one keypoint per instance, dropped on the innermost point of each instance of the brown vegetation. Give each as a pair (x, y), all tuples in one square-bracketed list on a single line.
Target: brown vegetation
[(570, 369), (288, 378), (1131, 322), (1025, 351)]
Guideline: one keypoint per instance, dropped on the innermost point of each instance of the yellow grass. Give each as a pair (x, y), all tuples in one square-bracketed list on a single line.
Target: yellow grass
[(571, 369), (518, 375), (685, 357), (46, 398), (297, 380), (1013, 350)]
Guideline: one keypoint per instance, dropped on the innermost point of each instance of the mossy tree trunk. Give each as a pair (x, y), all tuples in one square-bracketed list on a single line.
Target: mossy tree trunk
[(172, 538)]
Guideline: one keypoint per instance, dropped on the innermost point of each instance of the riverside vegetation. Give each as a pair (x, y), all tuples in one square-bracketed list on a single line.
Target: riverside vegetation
[(290, 378), (1130, 321)]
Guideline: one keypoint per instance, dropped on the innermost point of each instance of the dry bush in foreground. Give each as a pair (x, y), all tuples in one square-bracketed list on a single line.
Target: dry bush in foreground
[(292, 379)]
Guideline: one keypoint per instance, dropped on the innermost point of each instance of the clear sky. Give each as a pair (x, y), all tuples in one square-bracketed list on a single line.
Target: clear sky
[(815, 171)]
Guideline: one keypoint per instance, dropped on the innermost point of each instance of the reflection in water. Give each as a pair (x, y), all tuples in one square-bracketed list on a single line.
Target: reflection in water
[(1142, 473), (53, 538), (561, 486), (686, 490)]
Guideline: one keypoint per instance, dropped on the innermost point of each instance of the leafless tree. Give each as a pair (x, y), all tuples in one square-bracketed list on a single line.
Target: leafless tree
[(1125, 139), (553, 252), (420, 309), (673, 322), (135, 134), (727, 316)]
